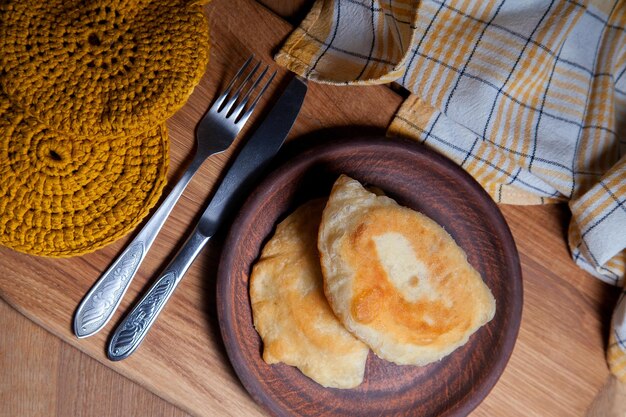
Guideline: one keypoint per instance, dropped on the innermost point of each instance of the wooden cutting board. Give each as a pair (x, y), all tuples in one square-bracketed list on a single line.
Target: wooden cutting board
[(557, 365)]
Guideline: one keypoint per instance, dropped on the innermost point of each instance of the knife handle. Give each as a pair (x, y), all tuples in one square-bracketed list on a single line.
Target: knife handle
[(134, 328), (97, 307)]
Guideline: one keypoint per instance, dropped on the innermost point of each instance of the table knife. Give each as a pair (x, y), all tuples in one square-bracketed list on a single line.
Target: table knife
[(249, 163)]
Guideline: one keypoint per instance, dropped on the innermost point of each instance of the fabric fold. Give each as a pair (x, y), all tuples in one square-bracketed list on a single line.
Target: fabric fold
[(322, 48), (595, 243)]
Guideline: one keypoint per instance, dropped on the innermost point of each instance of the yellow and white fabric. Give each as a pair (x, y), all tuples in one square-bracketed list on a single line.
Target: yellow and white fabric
[(527, 96)]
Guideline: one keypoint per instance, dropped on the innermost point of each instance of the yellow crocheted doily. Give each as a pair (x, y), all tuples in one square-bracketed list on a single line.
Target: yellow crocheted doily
[(64, 196), (96, 67)]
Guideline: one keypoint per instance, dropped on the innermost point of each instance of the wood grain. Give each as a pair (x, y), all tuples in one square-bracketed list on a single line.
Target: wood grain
[(557, 366), (417, 178), (43, 376)]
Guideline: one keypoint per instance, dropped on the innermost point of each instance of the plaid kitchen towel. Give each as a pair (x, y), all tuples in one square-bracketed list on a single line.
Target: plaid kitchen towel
[(527, 96)]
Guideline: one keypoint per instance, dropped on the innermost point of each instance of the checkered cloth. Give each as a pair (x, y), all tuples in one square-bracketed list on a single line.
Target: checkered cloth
[(527, 96)]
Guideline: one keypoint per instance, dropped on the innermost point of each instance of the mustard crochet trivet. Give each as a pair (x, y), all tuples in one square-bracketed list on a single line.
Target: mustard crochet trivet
[(101, 67), (63, 196)]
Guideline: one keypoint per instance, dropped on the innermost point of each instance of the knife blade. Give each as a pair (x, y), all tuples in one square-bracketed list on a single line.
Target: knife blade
[(248, 164)]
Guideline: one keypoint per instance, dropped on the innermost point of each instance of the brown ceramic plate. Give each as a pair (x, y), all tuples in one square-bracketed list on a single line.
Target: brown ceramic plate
[(417, 178)]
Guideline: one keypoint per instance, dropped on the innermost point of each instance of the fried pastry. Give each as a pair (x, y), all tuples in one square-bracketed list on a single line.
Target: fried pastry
[(290, 311), (396, 279)]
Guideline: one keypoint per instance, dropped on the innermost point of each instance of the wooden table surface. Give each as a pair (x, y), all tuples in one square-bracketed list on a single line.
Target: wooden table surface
[(556, 369)]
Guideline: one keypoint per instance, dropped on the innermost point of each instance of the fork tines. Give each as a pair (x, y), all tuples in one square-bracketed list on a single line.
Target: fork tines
[(240, 113)]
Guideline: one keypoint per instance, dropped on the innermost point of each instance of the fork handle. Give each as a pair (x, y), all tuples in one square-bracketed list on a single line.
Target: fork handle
[(130, 333), (97, 307)]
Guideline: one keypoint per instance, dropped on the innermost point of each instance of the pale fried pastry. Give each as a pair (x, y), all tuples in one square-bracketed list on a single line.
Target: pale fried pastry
[(396, 279), (290, 311)]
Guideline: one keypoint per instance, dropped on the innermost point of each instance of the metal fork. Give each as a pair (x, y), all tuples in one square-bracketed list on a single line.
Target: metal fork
[(215, 133)]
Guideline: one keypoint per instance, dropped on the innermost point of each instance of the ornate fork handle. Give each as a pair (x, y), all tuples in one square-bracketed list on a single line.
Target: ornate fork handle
[(134, 328), (105, 296)]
